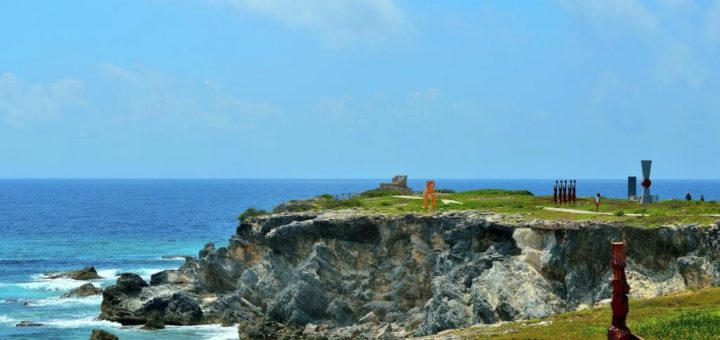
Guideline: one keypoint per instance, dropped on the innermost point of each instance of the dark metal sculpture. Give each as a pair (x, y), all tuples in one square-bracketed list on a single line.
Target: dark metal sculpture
[(620, 290)]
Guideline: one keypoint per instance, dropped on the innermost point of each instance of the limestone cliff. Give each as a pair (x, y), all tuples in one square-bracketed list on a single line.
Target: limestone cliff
[(349, 274)]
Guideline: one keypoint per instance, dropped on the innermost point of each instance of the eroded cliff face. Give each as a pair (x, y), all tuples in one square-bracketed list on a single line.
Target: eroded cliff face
[(346, 274)]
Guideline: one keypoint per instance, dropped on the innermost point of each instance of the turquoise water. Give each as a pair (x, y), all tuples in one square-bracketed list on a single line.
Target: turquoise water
[(128, 225)]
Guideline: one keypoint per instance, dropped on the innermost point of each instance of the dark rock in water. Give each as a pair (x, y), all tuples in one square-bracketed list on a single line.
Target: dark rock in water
[(154, 321), (182, 310), (179, 309), (99, 334), (87, 273), (130, 283), (178, 257), (27, 323), (87, 289)]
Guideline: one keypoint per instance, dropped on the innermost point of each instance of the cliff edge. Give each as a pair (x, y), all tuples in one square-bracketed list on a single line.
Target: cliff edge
[(353, 274)]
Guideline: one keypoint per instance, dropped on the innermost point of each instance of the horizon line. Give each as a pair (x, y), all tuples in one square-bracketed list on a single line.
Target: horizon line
[(339, 178)]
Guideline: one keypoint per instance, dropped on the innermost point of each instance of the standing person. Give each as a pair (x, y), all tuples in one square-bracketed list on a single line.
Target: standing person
[(688, 197), (702, 198), (562, 192), (573, 194), (555, 193), (597, 202)]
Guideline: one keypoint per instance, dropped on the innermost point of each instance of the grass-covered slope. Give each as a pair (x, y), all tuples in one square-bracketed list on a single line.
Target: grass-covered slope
[(685, 315)]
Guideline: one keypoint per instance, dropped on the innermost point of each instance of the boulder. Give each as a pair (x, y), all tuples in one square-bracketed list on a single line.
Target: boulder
[(130, 283), (179, 309), (154, 321), (85, 290), (99, 334), (169, 277), (87, 273)]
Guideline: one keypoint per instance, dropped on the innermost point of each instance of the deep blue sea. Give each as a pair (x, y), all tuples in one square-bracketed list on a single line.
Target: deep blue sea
[(128, 225)]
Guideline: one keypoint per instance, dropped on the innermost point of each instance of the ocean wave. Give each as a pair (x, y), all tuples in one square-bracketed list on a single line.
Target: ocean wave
[(108, 274), (7, 319), (58, 301), (82, 322), (47, 284), (210, 332)]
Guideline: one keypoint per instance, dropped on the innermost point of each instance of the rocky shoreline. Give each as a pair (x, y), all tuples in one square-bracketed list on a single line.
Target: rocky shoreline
[(348, 274)]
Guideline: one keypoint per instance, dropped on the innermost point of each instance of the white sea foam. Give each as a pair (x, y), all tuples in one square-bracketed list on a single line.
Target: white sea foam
[(108, 274), (82, 322), (57, 301), (210, 332), (7, 319), (49, 284)]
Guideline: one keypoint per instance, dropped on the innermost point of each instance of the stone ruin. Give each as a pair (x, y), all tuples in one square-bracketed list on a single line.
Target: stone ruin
[(398, 184)]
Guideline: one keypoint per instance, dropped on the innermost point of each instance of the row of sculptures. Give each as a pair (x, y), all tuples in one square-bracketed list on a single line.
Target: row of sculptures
[(564, 191)]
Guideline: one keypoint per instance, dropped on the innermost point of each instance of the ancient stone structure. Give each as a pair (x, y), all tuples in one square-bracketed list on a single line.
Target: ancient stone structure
[(399, 183)]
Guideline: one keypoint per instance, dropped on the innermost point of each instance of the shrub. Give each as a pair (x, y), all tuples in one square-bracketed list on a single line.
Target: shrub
[(619, 213), (382, 193), (445, 191), (252, 212), (294, 206)]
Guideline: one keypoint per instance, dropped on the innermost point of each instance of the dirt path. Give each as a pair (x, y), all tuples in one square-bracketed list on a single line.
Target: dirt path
[(578, 211)]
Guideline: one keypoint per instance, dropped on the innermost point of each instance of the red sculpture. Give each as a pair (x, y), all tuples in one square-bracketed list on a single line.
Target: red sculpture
[(429, 193), (620, 307)]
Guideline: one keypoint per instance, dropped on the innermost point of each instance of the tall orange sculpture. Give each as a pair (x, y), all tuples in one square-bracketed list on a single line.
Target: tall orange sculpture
[(620, 289), (429, 193)]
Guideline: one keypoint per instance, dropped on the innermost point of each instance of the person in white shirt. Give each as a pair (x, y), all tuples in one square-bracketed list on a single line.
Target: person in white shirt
[(597, 201)]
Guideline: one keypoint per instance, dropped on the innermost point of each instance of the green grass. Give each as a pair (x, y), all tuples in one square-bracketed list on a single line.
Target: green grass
[(685, 315), (525, 203)]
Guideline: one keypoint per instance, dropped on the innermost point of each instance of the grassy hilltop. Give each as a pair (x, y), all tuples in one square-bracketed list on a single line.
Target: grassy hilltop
[(685, 315), (518, 202)]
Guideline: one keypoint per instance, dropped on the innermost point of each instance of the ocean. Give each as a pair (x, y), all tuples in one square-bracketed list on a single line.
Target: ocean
[(128, 225)]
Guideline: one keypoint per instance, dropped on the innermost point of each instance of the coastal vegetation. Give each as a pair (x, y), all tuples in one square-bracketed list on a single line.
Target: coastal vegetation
[(524, 204), (693, 314), (252, 212)]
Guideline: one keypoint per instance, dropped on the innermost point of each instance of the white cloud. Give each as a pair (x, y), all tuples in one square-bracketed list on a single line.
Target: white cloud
[(336, 22), (22, 103), (186, 104), (419, 96), (606, 14), (713, 22), (679, 63)]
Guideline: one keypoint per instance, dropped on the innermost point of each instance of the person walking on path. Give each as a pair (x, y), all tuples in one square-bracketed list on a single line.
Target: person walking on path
[(597, 202)]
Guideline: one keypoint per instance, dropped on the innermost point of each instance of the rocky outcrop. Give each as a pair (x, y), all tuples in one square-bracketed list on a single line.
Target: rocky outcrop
[(348, 274), (99, 334), (132, 301), (85, 290), (28, 323), (87, 273)]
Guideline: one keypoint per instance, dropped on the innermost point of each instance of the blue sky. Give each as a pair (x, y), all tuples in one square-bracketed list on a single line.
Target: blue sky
[(359, 88)]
